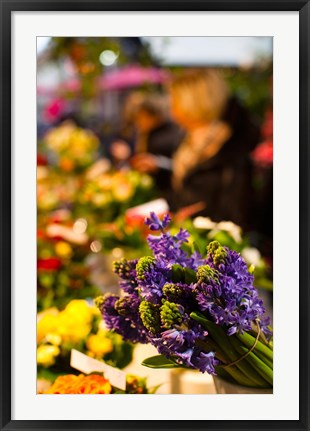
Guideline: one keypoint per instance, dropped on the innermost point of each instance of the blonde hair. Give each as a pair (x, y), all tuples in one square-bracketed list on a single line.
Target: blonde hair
[(201, 95)]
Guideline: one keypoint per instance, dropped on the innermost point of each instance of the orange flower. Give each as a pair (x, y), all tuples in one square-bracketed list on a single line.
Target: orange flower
[(70, 384), (66, 164)]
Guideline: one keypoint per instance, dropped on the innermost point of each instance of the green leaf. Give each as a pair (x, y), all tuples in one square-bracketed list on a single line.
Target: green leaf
[(177, 273), (197, 247), (187, 248), (263, 283), (160, 361), (154, 389), (185, 275), (199, 318), (189, 276)]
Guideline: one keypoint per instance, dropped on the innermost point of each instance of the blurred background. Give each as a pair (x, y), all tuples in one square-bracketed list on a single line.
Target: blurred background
[(130, 125)]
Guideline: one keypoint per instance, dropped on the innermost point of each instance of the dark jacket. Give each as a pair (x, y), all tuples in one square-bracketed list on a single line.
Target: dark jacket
[(164, 141), (224, 182)]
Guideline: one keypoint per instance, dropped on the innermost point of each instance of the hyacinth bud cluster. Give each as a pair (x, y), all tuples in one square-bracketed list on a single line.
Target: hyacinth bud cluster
[(162, 292)]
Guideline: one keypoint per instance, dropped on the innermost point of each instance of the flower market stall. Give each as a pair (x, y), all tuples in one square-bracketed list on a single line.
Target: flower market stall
[(154, 225)]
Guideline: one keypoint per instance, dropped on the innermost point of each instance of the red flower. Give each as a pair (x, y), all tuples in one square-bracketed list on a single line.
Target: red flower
[(41, 160), (40, 234), (49, 264), (263, 154)]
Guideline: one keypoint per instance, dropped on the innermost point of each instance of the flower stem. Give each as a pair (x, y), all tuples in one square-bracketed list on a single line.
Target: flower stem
[(261, 368), (248, 340), (263, 358), (243, 372)]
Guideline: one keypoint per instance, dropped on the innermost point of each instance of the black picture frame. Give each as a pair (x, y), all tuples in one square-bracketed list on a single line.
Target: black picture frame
[(7, 7)]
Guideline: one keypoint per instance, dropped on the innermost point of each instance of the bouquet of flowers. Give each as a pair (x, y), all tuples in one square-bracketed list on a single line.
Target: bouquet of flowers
[(80, 327), (97, 384), (199, 312)]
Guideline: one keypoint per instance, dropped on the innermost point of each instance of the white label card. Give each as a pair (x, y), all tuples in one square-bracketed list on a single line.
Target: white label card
[(88, 365)]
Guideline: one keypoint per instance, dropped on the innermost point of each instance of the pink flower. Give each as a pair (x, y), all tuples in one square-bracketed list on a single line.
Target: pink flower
[(54, 110)]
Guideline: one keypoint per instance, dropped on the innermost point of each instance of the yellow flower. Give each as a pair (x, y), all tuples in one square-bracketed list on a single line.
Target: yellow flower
[(99, 345), (72, 330), (54, 339), (122, 191), (75, 321), (101, 199), (47, 354), (105, 182), (48, 324), (146, 181), (72, 144), (79, 310), (71, 325), (63, 249)]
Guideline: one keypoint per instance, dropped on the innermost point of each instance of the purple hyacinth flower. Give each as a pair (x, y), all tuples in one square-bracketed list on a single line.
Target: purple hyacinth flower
[(205, 362), (154, 222)]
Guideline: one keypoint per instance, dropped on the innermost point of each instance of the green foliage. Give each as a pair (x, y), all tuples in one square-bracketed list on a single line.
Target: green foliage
[(181, 274), (160, 361), (122, 352), (252, 86)]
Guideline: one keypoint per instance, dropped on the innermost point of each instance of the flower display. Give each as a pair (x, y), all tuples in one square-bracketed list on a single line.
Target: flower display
[(78, 326), (54, 188), (75, 148), (77, 205), (97, 384), (113, 192), (200, 312), (62, 273)]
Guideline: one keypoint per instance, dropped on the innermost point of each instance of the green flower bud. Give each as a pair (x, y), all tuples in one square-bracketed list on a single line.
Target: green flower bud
[(121, 267), (170, 314), (99, 301), (217, 252), (172, 291), (205, 274), (212, 247), (143, 265), (121, 306), (150, 316), (220, 256)]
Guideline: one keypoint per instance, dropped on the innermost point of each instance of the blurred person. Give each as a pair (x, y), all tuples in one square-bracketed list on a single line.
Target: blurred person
[(213, 163), (158, 137), (121, 147)]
